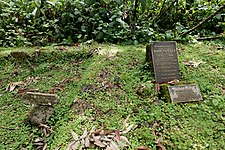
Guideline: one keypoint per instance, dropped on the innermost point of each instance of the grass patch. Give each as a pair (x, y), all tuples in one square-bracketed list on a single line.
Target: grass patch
[(113, 85)]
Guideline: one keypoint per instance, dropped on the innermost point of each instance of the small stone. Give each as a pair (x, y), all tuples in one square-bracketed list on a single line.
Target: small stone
[(40, 114)]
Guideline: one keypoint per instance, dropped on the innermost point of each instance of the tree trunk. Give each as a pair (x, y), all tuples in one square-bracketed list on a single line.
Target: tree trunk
[(207, 19)]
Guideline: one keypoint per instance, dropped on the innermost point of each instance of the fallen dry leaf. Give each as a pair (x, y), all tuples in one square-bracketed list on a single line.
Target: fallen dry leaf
[(125, 124), (84, 134), (75, 136), (161, 146), (128, 129), (120, 143), (143, 148), (97, 132), (82, 144), (222, 90), (110, 136), (192, 63), (55, 90), (92, 52), (102, 133), (117, 132), (157, 88), (23, 148), (60, 85), (92, 130), (62, 48), (97, 141), (13, 85), (37, 140), (29, 80), (106, 139), (175, 81), (103, 73), (45, 147), (114, 146), (87, 142), (57, 148), (22, 91), (108, 147), (69, 146), (38, 144), (75, 145), (109, 139), (99, 144), (123, 138)]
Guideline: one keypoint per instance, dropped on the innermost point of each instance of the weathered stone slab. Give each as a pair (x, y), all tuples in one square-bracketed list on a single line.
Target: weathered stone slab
[(41, 98), (165, 61), (184, 93)]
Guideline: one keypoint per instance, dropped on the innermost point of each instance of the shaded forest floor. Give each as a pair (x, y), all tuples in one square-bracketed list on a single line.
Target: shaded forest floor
[(101, 85)]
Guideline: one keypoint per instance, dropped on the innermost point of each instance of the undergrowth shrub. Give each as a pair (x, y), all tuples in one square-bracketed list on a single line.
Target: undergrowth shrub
[(42, 22)]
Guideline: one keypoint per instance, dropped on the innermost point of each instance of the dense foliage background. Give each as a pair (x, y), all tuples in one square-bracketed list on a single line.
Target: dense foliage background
[(40, 22)]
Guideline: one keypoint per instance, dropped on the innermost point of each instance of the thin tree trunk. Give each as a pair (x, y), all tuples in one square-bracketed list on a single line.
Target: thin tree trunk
[(165, 11), (135, 10), (207, 19)]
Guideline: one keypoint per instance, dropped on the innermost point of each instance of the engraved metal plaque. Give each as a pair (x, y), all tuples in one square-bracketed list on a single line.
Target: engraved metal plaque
[(184, 93), (165, 61), (41, 98)]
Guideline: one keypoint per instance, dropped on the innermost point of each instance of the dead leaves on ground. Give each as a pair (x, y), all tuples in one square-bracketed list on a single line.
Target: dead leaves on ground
[(80, 106), (92, 52), (22, 91), (142, 148), (40, 143), (62, 48), (60, 86), (133, 64), (194, 64), (13, 85), (22, 85), (102, 86), (109, 139), (158, 137)]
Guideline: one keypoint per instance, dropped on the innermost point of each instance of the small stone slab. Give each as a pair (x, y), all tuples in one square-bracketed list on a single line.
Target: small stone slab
[(20, 55), (165, 61), (184, 93), (41, 98)]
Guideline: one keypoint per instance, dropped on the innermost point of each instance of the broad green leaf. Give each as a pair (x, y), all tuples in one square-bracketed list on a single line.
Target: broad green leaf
[(51, 3), (34, 11)]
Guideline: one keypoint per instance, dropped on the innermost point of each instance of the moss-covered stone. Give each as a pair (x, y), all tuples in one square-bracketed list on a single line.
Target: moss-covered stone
[(148, 57), (164, 92), (40, 114)]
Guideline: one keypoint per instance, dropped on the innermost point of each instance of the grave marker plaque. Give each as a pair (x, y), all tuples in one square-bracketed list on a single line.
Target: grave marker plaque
[(165, 61), (184, 93), (41, 98)]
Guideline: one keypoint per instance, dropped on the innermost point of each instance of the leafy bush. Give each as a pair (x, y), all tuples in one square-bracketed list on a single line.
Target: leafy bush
[(39, 22)]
